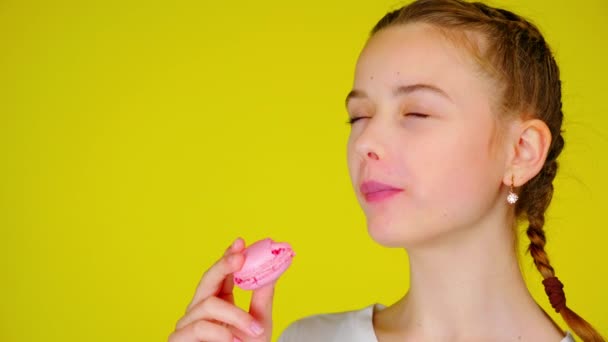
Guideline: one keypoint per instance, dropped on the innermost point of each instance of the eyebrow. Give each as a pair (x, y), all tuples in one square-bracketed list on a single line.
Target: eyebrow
[(401, 90)]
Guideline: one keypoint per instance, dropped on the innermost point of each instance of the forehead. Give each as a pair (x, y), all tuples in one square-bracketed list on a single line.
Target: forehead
[(417, 53)]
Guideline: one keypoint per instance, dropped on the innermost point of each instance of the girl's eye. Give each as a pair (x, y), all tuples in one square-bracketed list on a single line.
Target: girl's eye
[(354, 119), (418, 115)]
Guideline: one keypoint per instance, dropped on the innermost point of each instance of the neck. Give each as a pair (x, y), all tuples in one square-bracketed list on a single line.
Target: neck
[(468, 283)]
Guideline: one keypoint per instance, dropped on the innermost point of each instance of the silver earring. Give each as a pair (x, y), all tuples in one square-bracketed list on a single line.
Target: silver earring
[(512, 197)]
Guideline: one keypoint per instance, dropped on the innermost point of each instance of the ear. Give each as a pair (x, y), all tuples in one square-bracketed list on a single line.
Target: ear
[(530, 145)]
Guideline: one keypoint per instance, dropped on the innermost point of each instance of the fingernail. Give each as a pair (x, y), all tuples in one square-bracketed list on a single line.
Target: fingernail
[(256, 328)]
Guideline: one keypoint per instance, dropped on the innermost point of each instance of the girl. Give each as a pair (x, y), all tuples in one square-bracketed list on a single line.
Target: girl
[(456, 129)]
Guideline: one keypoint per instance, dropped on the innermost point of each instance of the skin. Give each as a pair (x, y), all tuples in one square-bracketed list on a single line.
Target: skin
[(455, 167)]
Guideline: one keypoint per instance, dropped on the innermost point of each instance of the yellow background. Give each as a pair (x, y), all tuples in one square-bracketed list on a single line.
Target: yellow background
[(138, 139)]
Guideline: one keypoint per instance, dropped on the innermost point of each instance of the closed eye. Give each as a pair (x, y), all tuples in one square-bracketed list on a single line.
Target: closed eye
[(354, 119), (418, 115)]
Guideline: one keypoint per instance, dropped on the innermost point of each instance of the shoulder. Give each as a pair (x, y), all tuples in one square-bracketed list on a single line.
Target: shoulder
[(568, 338), (355, 325), (323, 327)]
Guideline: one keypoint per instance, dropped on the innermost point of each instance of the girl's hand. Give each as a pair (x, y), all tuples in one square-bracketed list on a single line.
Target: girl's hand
[(212, 315)]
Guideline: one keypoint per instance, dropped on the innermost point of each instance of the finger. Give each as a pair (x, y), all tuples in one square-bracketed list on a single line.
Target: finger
[(216, 309), (260, 307), (212, 281), (238, 335), (201, 331), (228, 285), (226, 289), (237, 246)]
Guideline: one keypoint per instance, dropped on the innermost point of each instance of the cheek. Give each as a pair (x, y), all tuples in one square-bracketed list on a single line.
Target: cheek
[(457, 171)]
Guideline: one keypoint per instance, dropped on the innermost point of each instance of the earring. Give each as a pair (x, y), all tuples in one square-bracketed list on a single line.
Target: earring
[(512, 197)]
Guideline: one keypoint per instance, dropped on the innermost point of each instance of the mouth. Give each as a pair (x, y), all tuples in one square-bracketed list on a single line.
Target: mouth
[(375, 191), (381, 195)]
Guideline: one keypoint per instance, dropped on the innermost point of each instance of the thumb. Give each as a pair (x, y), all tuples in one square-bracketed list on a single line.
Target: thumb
[(261, 306)]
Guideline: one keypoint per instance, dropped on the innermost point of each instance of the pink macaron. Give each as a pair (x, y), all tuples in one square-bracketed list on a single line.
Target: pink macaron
[(265, 261)]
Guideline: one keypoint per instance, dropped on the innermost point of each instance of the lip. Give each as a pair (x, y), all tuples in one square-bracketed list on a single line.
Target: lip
[(381, 195), (375, 191), (371, 186)]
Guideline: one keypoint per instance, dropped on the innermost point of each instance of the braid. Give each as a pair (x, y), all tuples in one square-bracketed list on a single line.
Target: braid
[(535, 201), (536, 218), (518, 56), (543, 191)]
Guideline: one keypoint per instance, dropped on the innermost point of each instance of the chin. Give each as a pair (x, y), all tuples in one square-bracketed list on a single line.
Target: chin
[(402, 235)]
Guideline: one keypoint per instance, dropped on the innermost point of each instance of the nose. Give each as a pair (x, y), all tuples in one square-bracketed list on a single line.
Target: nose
[(369, 145), (372, 155)]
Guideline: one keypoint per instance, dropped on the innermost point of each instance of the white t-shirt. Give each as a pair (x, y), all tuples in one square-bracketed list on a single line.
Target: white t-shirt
[(349, 326)]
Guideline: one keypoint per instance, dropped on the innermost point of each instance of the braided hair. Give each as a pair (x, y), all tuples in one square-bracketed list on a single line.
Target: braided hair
[(519, 58)]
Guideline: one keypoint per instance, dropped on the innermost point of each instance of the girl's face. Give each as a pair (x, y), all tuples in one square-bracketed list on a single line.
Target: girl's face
[(428, 128)]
